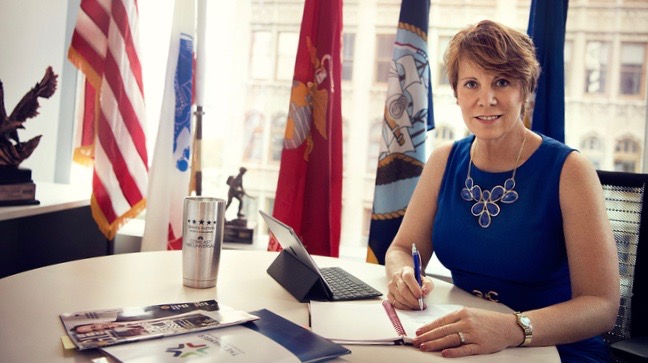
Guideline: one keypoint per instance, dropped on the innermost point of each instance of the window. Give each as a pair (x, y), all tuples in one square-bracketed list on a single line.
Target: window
[(348, 47), (627, 146), (591, 143), (269, 206), (261, 56), (597, 56), (441, 48), (567, 56), (286, 54), (384, 55), (633, 59), (250, 205), (248, 87), (254, 137), (441, 134), (277, 137), (375, 139), (592, 148), (625, 166), (366, 222), (627, 155)]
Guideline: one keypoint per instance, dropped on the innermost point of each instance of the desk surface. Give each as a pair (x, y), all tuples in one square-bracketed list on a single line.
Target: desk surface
[(31, 302)]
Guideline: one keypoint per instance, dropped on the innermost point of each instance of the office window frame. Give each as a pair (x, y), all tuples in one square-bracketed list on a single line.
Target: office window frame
[(441, 134), (442, 77), (375, 141), (638, 70), (592, 147), (567, 65), (253, 146), (348, 52), (277, 133), (627, 154), (262, 59), (601, 63), (287, 42), (384, 57)]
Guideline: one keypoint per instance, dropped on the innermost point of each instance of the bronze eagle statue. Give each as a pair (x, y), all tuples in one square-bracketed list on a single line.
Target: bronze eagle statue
[(12, 150)]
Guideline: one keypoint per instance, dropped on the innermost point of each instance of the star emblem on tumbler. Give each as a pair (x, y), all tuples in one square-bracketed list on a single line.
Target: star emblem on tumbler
[(194, 221)]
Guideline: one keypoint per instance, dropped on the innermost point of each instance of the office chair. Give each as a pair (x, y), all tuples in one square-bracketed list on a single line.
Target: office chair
[(626, 202)]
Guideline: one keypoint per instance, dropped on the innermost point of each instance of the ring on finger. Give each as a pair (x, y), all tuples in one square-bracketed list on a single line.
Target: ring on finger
[(461, 338)]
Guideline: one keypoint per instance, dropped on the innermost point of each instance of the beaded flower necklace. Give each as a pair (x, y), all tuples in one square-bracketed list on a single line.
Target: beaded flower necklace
[(486, 206)]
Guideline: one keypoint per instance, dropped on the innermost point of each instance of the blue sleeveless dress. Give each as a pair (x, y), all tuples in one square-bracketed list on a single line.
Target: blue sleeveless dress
[(520, 260)]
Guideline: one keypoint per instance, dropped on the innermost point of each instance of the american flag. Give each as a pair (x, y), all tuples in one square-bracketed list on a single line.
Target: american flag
[(104, 47)]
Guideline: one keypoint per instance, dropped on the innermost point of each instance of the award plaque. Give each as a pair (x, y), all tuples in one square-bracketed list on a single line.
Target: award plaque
[(237, 231), (16, 186)]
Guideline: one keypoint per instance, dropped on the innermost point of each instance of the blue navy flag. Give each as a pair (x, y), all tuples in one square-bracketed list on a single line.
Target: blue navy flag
[(408, 116), (547, 22)]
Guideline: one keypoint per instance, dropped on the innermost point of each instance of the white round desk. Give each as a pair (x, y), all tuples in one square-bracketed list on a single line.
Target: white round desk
[(31, 301)]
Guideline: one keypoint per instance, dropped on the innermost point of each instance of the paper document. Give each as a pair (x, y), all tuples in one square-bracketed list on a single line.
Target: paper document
[(100, 328), (371, 322), (272, 338)]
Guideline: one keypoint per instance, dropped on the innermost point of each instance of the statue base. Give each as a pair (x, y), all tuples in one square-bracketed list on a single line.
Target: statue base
[(236, 231), (16, 186)]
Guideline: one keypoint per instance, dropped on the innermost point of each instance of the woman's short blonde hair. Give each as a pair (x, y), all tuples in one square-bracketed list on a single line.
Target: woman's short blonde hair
[(496, 48)]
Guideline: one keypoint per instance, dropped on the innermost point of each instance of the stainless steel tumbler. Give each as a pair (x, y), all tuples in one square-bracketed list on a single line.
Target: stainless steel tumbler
[(202, 239)]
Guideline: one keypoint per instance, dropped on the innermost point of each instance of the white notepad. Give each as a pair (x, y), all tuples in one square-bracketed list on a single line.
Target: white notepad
[(371, 322)]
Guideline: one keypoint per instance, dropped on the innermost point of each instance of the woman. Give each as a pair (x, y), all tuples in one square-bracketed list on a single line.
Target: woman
[(516, 216)]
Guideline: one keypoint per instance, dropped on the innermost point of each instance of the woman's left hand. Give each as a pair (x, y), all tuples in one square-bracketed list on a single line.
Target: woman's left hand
[(482, 332)]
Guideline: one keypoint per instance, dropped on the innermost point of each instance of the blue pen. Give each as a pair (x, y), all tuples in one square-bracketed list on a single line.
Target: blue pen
[(417, 271)]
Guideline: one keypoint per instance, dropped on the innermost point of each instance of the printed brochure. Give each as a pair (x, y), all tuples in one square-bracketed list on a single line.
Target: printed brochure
[(272, 338), (100, 328)]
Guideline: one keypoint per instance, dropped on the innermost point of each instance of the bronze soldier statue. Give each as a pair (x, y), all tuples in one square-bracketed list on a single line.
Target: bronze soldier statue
[(236, 190)]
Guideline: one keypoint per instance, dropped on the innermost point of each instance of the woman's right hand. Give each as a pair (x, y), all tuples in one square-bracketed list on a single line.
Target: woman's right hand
[(404, 291)]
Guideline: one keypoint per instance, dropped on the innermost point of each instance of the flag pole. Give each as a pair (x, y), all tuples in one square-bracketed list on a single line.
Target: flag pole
[(197, 152), (196, 163)]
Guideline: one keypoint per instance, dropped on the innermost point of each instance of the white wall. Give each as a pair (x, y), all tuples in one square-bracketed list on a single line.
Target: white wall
[(32, 37)]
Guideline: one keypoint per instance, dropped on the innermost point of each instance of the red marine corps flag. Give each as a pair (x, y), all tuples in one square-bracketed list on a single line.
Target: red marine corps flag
[(105, 46), (309, 190)]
